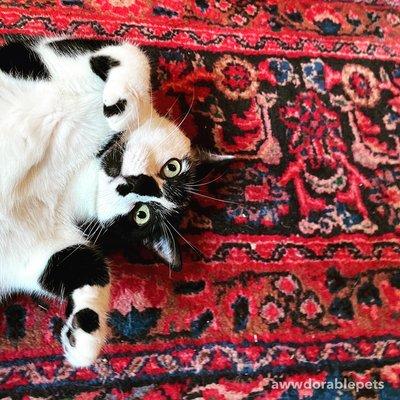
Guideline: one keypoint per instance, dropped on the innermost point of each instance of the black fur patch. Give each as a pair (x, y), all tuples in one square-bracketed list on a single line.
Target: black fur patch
[(116, 137), (67, 47), (72, 268), (20, 60), (101, 65), (143, 185), (124, 189), (115, 109), (88, 320), (112, 160)]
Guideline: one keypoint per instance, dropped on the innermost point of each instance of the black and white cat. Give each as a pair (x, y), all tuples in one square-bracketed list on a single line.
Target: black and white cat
[(81, 142)]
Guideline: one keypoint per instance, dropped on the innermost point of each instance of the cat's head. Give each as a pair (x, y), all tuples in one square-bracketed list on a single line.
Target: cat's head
[(145, 183)]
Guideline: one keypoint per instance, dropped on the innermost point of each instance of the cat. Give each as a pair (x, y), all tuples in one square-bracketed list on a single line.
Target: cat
[(81, 143)]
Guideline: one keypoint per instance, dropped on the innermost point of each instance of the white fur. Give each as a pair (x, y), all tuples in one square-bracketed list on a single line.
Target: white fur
[(50, 132), (87, 345)]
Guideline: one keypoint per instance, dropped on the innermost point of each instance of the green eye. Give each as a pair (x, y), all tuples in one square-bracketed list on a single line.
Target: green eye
[(171, 168), (142, 215)]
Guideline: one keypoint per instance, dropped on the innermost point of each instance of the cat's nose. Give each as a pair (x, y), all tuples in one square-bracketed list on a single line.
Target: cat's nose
[(143, 185)]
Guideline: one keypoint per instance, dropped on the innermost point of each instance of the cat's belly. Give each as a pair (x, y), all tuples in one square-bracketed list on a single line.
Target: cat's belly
[(45, 137)]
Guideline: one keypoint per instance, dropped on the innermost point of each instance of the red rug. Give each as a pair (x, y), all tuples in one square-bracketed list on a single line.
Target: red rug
[(297, 292)]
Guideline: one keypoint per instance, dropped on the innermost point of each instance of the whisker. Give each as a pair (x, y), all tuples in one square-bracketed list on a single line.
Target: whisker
[(172, 106), (194, 248), (188, 111), (100, 231), (185, 116), (212, 198), (173, 243), (207, 183), (204, 177), (90, 229)]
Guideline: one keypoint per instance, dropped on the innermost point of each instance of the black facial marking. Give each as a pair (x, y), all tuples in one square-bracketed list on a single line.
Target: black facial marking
[(146, 186), (124, 189), (143, 185), (112, 160), (21, 60), (115, 109), (72, 268), (101, 65), (67, 47), (87, 319)]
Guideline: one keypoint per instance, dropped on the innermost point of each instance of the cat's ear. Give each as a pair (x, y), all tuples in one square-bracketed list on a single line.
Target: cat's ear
[(168, 249), (206, 157)]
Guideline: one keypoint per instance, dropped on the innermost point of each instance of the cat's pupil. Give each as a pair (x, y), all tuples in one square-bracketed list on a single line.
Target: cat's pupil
[(172, 167), (141, 214)]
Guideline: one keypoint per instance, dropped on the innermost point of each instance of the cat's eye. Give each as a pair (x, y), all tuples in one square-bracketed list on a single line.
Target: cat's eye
[(142, 215), (171, 168)]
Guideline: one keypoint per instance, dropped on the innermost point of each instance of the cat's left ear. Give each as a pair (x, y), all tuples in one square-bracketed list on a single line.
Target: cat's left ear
[(168, 249), (206, 157)]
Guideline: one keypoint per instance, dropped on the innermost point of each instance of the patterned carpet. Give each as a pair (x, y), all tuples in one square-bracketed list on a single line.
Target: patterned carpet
[(298, 281)]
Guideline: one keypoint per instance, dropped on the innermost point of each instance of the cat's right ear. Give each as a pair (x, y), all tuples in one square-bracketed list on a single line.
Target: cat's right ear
[(206, 162), (207, 157), (168, 250)]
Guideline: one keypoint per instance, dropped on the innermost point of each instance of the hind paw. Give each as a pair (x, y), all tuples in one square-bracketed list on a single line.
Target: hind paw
[(83, 336)]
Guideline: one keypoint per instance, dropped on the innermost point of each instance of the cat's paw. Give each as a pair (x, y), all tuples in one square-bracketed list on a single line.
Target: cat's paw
[(82, 337), (124, 106), (126, 97)]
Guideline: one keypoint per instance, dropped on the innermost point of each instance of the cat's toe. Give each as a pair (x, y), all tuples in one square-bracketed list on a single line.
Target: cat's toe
[(82, 338), (71, 338)]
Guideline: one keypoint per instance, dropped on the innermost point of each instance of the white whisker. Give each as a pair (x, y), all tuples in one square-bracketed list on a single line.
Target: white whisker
[(212, 198), (195, 249)]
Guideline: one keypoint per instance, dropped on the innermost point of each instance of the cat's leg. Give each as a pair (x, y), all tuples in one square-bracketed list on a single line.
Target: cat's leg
[(124, 68), (126, 96), (80, 274)]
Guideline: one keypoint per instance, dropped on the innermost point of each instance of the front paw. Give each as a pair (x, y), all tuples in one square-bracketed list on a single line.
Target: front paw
[(126, 95), (124, 107), (82, 337)]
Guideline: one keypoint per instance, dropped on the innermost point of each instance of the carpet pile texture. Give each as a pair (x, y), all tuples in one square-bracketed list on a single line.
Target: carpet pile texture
[(297, 287)]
